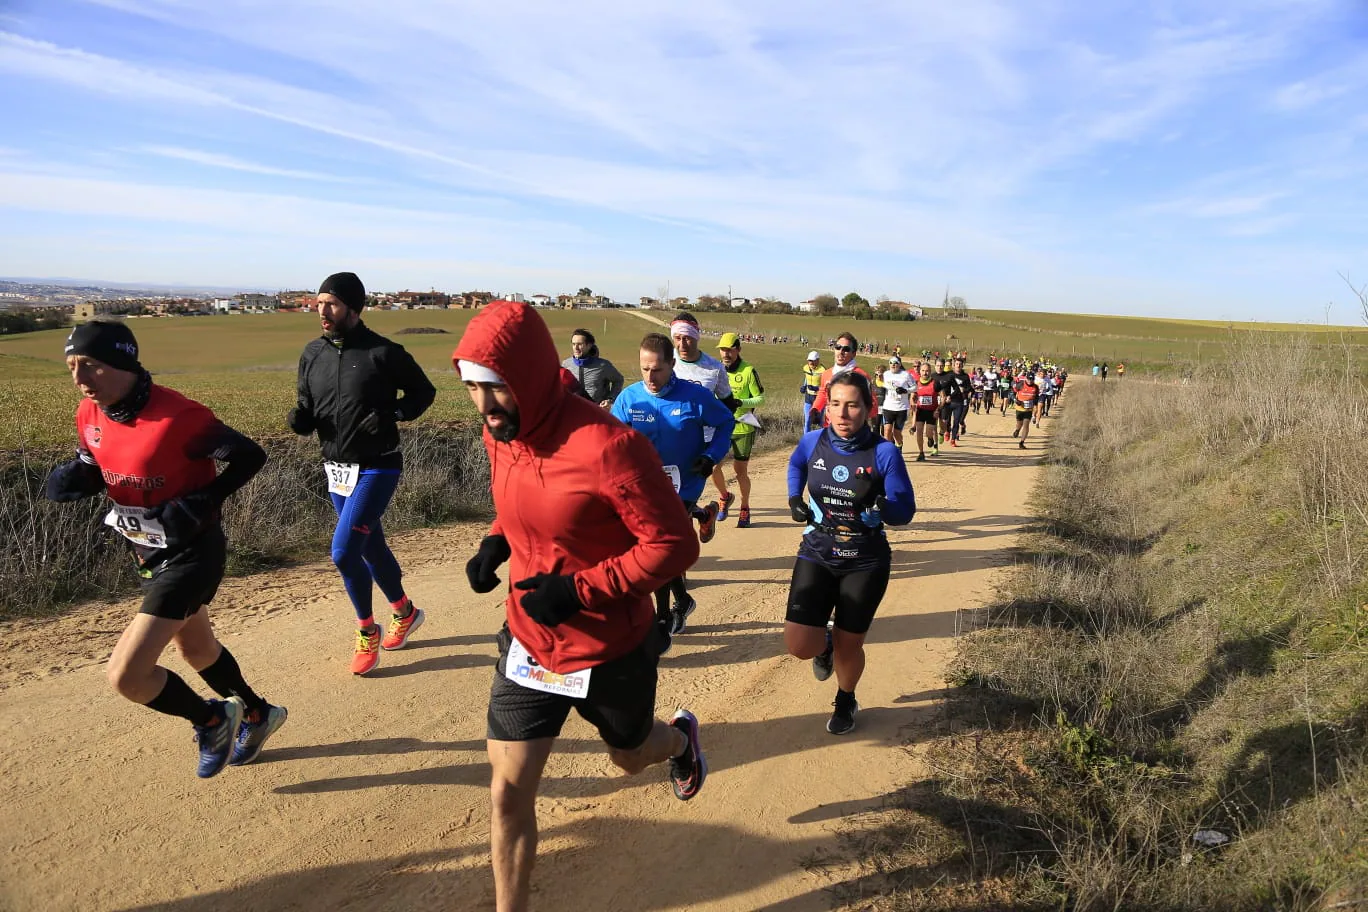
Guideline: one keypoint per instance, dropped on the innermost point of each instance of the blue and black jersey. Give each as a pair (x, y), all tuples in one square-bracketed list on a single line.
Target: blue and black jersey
[(841, 480)]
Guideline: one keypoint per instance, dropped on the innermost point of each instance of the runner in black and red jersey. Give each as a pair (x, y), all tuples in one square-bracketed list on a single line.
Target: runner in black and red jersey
[(153, 451)]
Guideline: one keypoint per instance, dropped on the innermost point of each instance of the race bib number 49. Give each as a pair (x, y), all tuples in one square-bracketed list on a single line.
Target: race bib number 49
[(522, 669), (342, 477), (134, 524)]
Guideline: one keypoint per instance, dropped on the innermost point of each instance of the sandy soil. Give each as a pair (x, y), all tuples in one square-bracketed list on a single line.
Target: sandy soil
[(375, 796)]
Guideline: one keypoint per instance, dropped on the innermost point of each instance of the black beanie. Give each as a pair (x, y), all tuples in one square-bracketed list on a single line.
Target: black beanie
[(347, 288), (108, 341)]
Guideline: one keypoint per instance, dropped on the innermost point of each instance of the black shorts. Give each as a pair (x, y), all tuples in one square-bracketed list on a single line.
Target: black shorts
[(1024, 414), (178, 587), (816, 590), (926, 416), (620, 702), (898, 419), (741, 447)]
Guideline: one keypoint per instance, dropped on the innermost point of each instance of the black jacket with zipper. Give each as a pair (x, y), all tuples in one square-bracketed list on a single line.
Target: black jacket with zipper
[(341, 383)]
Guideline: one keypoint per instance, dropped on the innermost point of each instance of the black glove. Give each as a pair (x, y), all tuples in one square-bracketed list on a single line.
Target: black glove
[(880, 502), (703, 466), (480, 569), (301, 421), (370, 424), (550, 598), (72, 481), (802, 513), (185, 517)]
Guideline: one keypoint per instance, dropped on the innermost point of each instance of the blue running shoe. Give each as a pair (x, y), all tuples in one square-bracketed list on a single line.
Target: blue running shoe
[(251, 736), (216, 741), (689, 769), (727, 499)]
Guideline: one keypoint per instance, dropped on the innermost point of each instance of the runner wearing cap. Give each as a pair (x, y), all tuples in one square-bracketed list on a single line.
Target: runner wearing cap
[(674, 415), (812, 379), (898, 387), (696, 366), (844, 484), (748, 393), (153, 452), (349, 386), (590, 527)]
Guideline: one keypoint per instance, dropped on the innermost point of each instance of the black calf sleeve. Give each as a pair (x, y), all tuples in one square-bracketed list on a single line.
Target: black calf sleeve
[(225, 678), (177, 699)]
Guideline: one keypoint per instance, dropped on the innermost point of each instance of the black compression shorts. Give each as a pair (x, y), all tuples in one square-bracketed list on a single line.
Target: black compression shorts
[(741, 447), (816, 590), (896, 418), (926, 416), (620, 702), (180, 586)]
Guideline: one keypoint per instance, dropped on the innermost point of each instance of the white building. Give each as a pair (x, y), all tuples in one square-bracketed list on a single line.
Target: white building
[(806, 307), (739, 302)]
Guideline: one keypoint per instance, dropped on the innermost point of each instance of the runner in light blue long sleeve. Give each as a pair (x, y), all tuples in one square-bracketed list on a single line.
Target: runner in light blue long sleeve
[(675, 415)]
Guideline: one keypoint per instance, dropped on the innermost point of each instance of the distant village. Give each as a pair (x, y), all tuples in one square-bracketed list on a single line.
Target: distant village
[(50, 303)]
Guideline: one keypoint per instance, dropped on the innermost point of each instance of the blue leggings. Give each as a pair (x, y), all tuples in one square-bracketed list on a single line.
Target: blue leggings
[(358, 545)]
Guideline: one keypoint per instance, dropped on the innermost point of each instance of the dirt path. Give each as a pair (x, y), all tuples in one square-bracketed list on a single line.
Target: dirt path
[(374, 796)]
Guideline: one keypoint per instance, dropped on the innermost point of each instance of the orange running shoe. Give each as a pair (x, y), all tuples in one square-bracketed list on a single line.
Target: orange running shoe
[(367, 651), (400, 628), (707, 523)]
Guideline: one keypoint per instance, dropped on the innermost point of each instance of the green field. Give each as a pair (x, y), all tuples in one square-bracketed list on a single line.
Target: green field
[(244, 366)]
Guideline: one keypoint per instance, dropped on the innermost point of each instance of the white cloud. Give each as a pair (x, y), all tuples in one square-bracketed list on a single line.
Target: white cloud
[(228, 162)]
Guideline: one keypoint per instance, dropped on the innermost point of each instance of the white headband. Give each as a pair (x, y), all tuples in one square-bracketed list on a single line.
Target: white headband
[(478, 373), (682, 328)]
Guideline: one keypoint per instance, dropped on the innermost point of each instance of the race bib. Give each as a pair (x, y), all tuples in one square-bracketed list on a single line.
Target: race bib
[(522, 669), (342, 477), (925, 402), (673, 472), (134, 524)]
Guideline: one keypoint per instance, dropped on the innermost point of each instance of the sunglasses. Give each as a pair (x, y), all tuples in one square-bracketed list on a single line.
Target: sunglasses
[(845, 348)]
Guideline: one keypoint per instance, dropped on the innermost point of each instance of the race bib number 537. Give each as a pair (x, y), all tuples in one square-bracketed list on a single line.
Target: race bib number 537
[(342, 477)]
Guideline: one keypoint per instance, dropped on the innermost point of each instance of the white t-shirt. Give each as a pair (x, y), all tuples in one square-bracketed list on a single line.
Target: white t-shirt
[(990, 380), (898, 386), (707, 372)]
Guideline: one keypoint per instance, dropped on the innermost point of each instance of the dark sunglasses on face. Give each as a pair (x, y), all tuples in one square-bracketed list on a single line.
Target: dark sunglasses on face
[(845, 348)]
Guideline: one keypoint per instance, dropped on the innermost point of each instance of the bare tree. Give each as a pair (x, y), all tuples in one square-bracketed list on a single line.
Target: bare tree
[(1361, 292)]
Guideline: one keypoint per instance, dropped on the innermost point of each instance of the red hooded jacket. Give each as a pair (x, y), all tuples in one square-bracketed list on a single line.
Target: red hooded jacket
[(577, 492)]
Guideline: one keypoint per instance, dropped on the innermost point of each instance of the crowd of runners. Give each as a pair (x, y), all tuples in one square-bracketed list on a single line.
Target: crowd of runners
[(599, 490)]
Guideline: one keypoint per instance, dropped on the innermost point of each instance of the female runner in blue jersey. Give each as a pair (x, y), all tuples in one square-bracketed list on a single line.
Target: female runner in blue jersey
[(845, 484)]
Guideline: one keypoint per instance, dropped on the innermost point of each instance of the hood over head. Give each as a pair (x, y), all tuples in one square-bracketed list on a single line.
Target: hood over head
[(511, 339)]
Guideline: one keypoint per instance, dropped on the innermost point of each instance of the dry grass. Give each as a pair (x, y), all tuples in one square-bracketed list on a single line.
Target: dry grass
[(1181, 648)]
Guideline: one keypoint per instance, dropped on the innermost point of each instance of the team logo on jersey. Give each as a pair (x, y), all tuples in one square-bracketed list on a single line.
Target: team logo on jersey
[(840, 473), (92, 434), (820, 464)]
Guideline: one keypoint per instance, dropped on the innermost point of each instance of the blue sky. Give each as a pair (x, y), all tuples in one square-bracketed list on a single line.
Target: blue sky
[(1204, 158)]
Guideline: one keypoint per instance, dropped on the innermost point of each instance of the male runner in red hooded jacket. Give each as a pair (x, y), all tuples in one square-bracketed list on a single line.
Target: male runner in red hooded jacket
[(591, 528)]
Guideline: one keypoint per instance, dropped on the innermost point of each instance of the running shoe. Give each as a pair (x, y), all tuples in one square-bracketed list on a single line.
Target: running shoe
[(1021, 445), (367, 651), (935, 450), (743, 518), (707, 523), (251, 736), (679, 613), (921, 457), (400, 628), (954, 443), (822, 664), (1016, 432), (689, 769), (843, 714), (727, 499), (216, 741)]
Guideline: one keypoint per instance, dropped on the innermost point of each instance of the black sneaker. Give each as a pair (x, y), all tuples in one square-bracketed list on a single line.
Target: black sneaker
[(689, 770), (679, 613), (843, 714), (663, 633), (821, 664)]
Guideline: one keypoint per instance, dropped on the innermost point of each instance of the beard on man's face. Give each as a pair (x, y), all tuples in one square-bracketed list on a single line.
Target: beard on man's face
[(505, 432)]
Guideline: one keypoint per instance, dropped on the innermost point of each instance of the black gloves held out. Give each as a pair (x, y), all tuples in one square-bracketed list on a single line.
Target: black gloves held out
[(301, 421), (799, 509), (185, 517), (371, 423), (480, 569), (550, 599)]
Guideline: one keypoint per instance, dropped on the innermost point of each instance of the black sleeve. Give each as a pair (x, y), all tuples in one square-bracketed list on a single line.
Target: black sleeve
[(243, 455), (75, 480), (303, 394), (409, 377), (614, 380)]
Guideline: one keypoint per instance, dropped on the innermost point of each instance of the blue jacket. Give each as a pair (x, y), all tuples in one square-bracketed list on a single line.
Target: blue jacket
[(673, 421)]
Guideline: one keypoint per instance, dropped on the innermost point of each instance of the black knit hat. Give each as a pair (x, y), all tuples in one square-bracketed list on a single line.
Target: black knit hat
[(108, 341), (347, 288)]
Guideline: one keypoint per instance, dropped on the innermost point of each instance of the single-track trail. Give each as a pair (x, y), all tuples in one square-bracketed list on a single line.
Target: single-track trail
[(375, 795)]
